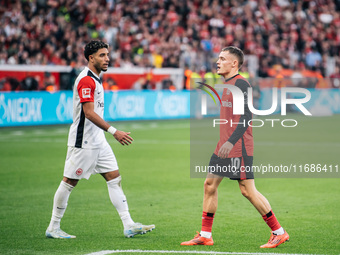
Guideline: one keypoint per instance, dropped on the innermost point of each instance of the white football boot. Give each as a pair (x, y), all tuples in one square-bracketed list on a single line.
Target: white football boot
[(58, 233), (138, 229)]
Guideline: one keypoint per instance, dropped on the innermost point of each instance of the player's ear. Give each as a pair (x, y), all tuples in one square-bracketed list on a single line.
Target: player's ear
[(235, 63), (91, 58)]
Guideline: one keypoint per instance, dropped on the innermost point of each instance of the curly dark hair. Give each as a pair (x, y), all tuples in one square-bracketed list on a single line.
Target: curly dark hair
[(93, 47)]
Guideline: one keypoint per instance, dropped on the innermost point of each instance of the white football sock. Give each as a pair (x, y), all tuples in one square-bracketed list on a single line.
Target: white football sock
[(59, 204), (118, 199), (279, 231), (205, 234)]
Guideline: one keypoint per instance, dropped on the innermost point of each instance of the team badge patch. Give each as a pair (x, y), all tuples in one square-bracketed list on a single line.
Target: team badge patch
[(79, 171), (86, 93)]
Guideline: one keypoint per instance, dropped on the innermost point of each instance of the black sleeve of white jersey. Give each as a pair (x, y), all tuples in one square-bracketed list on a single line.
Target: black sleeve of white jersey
[(244, 119)]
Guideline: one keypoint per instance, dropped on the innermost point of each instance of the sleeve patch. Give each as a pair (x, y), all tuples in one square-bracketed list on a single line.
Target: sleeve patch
[(86, 93), (86, 89)]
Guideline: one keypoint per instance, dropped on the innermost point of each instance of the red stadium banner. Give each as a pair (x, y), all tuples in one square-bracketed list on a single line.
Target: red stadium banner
[(42, 77)]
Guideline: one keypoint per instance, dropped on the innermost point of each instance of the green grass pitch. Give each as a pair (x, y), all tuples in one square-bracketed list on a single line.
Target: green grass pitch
[(157, 183)]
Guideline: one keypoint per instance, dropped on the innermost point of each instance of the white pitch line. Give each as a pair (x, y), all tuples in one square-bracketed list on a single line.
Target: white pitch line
[(186, 252)]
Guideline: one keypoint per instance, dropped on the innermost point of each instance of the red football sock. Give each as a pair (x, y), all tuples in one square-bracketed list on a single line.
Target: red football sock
[(207, 221), (271, 221)]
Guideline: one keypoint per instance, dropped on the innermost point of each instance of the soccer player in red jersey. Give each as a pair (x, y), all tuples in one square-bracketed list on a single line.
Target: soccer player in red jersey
[(234, 151)]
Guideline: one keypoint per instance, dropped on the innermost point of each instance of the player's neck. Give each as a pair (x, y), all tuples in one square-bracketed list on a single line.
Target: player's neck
[(94, 70), (230, 74)]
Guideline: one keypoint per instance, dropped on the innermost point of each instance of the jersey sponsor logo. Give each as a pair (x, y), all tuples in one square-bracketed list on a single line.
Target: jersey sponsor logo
[(227, 104), (86, 93), (79, 171), (100, 104)]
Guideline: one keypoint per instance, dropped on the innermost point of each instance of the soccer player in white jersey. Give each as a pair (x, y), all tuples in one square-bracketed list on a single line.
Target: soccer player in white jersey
[(88, 151)]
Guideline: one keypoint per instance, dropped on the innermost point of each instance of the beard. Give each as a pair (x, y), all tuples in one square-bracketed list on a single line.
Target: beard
[(99, 68)]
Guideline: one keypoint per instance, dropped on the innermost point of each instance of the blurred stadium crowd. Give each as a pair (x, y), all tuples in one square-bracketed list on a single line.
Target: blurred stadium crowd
[(173, 33)]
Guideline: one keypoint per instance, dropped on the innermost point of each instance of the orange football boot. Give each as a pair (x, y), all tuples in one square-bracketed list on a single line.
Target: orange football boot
[(276, 240), (199, 240)]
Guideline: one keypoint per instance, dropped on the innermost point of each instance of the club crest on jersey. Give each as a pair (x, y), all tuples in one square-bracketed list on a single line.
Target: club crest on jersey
[(79, 171), (86, 93)]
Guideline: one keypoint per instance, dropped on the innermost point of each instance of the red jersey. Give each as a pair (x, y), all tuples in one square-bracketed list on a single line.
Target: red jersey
[(237, 130)]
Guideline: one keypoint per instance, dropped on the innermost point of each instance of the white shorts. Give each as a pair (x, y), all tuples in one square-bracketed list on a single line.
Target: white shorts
[(81, 163)]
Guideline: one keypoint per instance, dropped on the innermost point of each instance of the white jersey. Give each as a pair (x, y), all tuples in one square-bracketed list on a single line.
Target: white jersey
[(83, 133)]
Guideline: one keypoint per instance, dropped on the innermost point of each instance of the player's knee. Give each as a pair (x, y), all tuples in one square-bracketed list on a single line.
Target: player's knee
[(115, 182), (111, 175), (209, 187), (245, 193), (72, 182)]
